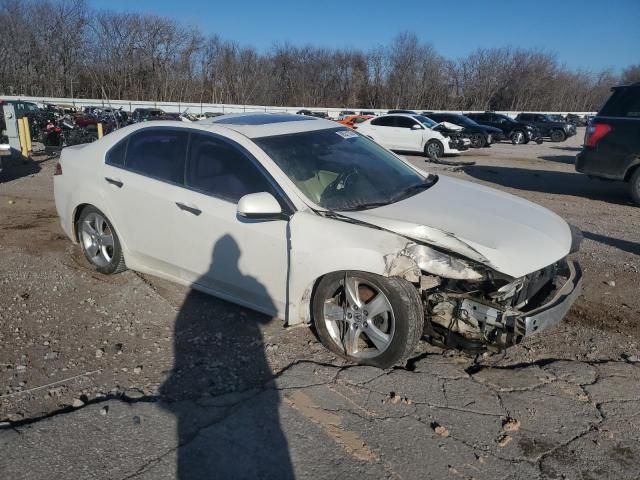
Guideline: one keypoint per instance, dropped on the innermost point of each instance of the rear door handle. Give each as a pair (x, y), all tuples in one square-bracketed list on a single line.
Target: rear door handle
[(194, 210), (115, 182)]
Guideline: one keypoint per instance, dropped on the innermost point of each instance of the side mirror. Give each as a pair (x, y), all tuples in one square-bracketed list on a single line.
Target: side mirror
[(415, 126), (260, 205)]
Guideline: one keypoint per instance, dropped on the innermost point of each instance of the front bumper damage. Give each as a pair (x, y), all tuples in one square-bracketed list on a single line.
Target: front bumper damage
[(459, 143), (555, 310), (473, 321)]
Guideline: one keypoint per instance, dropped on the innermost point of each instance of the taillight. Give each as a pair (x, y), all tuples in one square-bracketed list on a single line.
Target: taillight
[(58, 170), (595, 132)]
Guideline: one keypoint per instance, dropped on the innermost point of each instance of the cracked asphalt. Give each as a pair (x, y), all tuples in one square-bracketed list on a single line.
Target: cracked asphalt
[(129, 376)]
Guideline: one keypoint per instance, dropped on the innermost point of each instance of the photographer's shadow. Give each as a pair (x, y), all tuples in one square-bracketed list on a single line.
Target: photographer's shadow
[(219, 350)]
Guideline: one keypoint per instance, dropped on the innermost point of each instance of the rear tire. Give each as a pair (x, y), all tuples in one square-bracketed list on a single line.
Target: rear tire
[(99, 241), (558, 136), (434, 149), (376, 321), (634, 186)]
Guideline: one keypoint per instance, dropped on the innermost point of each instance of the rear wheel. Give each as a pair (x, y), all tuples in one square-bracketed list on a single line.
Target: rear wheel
[(99, 241), (634, 186), (367, 318), (434, 149), (558, 136), (518, 137)]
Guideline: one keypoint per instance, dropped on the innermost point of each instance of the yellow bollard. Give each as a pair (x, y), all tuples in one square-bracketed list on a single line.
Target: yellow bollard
[(99, 130), (27, 133), (23, 140)]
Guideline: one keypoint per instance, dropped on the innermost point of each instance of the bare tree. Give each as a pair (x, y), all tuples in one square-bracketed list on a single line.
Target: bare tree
[(67, 49)]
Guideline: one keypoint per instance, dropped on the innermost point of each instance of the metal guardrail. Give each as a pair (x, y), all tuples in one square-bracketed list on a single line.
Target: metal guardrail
[(201, 108)]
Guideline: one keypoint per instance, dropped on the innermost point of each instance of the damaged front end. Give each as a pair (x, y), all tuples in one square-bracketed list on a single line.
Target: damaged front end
[(458, 140), (473, 307)]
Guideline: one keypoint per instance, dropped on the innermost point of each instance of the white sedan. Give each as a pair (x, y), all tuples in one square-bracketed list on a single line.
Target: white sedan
[(311, 222), (415, 133)]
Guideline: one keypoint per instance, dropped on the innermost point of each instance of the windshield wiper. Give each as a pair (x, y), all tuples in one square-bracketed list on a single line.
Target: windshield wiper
[(412, 190), (366, 206)]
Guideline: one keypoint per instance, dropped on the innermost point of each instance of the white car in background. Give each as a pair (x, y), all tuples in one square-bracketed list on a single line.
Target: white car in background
[(314, 223), (414, 133)]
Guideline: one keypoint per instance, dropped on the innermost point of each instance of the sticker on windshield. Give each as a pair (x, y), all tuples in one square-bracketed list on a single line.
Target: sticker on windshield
[(347, 134)]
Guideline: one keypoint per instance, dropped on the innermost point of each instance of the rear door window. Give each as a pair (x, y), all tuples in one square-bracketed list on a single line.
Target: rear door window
[(625, 102), (158, 153), (383, 122), (219, 168)]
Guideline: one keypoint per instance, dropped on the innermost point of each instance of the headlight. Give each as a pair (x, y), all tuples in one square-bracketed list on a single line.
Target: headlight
[(441, 264)]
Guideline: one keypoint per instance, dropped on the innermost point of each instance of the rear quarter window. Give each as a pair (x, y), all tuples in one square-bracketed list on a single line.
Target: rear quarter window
[(116, 155), (625, 102)]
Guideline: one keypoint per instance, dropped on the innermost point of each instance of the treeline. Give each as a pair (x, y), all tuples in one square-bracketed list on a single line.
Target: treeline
[(64, 48)]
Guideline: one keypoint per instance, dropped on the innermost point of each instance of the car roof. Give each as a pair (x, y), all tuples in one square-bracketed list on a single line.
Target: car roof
[(408, 115), (258, 124)]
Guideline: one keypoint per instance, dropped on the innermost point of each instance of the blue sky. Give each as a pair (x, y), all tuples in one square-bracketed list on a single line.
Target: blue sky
[(589, 34)]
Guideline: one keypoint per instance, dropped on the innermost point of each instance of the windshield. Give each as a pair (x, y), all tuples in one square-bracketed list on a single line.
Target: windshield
[(339, 169), (426, 121), (507, 118), (466, 121), (457, 120)]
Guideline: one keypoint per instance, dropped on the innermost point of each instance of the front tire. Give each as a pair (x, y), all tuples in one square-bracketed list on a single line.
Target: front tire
[(518, 137), (434, 149), (368, 319), (99, 241), (478, 140), (634, 186), (558, 136)]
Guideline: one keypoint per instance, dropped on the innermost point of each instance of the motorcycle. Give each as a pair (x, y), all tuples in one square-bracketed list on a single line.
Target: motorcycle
[(64, 133)]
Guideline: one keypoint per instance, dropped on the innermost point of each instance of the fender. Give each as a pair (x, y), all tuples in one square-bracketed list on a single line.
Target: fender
[(342, 246)]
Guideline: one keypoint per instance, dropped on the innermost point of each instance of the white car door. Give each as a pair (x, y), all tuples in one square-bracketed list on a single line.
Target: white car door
[(140, 192), (408, 134), (243, 260), (380, 130)]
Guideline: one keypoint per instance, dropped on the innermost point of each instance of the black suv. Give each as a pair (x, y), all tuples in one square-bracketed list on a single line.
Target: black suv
[(518, 132), (554, 127), (612, 141), (480, 135)]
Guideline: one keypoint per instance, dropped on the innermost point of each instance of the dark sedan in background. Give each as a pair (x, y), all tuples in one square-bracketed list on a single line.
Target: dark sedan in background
[(517, 132), (480, 135)]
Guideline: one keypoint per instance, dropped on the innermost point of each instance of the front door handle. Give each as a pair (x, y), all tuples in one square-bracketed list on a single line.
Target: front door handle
[(115, 182), (194, 210)]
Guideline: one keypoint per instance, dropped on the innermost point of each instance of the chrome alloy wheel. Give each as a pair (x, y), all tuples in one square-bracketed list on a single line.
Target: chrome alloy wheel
[(433, 150), (97, 239), (359, 318), (518, 138)]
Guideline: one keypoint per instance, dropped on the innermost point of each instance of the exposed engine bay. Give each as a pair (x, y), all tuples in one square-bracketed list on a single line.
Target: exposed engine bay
[(475, 309)]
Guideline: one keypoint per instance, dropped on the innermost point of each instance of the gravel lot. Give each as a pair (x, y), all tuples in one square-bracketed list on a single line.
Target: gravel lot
[(130, 376)]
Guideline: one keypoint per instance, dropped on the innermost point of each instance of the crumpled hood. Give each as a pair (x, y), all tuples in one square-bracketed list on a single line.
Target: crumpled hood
[(502, 231)]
